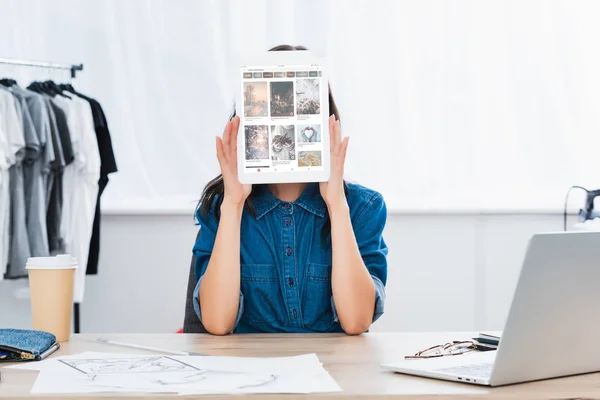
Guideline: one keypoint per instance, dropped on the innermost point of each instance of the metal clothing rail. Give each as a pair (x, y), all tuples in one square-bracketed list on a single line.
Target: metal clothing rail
[(40, 64), (69, 67)]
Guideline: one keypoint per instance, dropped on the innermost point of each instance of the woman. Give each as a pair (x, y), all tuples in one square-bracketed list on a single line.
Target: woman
[(297, 257)]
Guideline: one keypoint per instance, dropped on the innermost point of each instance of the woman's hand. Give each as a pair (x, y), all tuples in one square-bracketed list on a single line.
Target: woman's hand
[(235, 193), (333, 190)]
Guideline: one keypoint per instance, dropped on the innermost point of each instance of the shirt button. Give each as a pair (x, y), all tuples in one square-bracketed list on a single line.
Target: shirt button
[(289, 251), (287, 205), (291, 282), (295, 313), (288, 222)]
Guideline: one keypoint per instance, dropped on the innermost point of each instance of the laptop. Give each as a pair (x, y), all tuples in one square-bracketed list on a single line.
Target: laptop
[(553, 326)]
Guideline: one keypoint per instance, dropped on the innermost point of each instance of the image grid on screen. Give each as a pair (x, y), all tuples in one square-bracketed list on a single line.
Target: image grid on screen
[(282, 118)]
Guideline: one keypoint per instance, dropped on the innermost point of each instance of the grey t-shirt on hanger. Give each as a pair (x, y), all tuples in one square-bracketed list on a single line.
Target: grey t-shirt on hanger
[(19, 250), (63, 131), (35, 169), (54, 192)]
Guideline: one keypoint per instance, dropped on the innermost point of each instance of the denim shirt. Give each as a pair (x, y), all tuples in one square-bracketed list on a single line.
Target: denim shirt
[(286, 259)]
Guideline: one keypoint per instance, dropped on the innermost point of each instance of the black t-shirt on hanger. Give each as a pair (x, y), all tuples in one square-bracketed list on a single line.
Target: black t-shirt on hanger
[(108, 166)]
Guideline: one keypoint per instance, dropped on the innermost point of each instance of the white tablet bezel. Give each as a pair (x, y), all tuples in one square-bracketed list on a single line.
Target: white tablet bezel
[(282, 58)]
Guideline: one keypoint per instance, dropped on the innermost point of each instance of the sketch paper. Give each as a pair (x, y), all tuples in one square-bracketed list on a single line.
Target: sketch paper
[(119, 365), (108, 373), (304, 364), (52, 364), (300, 383), (174, 382)]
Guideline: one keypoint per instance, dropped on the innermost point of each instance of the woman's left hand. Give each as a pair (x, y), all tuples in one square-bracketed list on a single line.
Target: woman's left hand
[(333, 190)]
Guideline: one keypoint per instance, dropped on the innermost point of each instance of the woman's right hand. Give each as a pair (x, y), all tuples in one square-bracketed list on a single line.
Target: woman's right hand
[(235, 193)]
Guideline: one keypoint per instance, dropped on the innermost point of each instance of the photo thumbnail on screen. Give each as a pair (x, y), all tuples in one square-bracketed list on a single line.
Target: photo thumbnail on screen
[(283, 142), (308, 100), (309, 133), (255, 99), (282, 99), (257, 142), (309, 159)]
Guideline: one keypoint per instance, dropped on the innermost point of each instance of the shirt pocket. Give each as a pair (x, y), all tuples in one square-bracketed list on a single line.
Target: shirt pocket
[(262, 295), (317, 312)]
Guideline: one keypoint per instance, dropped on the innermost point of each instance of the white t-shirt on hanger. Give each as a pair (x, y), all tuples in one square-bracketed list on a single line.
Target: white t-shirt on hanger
[(12, 141), (80, 186)]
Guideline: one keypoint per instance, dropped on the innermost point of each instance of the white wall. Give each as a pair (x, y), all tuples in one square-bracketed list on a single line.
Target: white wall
[(446, 272), (449, 88)]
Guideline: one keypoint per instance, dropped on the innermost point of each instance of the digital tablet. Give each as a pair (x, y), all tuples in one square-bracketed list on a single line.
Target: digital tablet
[(283, 105)]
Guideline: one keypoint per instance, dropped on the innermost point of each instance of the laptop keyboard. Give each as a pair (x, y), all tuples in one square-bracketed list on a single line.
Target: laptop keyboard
[(483, 370)]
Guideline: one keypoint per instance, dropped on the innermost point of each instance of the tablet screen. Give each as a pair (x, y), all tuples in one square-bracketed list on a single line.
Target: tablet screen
[(283, 121)]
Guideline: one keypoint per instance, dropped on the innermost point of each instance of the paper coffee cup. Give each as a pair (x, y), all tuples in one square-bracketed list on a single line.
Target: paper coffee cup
[(51, 281)]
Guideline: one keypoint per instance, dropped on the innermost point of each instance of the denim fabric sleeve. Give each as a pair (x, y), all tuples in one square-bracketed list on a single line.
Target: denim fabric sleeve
[(368, 229), (202, 251)]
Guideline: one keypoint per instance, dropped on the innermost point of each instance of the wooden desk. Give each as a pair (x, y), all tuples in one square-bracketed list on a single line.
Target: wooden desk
[(354, 362)]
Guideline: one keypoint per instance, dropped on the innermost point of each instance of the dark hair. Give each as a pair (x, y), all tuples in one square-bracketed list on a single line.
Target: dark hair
[(212, 196)]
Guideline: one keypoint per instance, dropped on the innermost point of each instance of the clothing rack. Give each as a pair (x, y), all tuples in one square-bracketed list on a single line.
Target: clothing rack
[(69, 67), (40, 64)]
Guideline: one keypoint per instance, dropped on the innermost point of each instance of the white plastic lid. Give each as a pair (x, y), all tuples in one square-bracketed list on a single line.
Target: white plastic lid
[(62, 261)]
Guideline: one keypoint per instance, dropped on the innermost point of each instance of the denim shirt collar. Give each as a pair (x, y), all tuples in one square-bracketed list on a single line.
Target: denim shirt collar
[(310, 200)]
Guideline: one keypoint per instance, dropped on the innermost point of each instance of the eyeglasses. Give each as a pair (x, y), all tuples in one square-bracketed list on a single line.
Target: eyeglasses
[(453, 348)]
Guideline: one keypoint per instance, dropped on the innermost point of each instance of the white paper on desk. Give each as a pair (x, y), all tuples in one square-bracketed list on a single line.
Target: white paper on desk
[(110, 372), (52, 383), (297, 364), (199, 382), (281, 384), (303, 364), (299, 374), (51, 364)]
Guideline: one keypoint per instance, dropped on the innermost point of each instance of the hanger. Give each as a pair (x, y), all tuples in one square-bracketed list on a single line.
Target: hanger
[(8, 82), (68, 88), (34, 86), (57, 89), (48, 87)]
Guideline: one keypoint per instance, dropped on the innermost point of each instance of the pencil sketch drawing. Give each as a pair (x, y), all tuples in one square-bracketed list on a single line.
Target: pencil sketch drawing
[(208, 381), (155, 364), (159, 374), (235, 380)]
